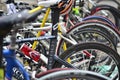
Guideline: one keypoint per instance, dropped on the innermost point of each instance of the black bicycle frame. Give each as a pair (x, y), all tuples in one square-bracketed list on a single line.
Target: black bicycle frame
[(53, 42)]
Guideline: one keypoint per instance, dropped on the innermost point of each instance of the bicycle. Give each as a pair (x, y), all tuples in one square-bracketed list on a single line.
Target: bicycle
[(28, 18), (68, 41), (83, 19)]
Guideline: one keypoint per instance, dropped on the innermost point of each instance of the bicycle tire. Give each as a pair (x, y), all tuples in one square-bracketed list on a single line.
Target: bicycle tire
[(88, 34), (80, 74), (101, 18), (114, 1), (90, 45), (91, 17), (100, 25), (111, 9)]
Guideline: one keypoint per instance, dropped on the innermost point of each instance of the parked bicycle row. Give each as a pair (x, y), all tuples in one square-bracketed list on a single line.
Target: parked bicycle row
[(60, 39)]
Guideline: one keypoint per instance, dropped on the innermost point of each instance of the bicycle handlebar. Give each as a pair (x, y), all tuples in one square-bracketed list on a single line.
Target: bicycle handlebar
[(20, 17), (6, 22)]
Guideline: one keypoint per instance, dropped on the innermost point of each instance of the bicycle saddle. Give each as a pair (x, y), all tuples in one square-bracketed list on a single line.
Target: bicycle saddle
[(48, 3)]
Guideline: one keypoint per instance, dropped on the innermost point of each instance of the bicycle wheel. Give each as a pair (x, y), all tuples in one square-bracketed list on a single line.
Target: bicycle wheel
[(73, 75), (103, 26), (107, 11), (115, 3), (76, 19), (86, 56), (85, 33)]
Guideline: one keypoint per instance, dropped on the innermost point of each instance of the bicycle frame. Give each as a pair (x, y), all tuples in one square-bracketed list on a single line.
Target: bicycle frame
[(53, 42), (10, 57), (42, 25), (84, 19)]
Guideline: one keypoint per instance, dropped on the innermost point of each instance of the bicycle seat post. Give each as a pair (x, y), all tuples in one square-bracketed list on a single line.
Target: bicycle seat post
[(53, 42)]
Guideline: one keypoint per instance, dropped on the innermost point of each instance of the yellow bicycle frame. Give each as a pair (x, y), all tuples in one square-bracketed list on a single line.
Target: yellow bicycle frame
[(43, 24)]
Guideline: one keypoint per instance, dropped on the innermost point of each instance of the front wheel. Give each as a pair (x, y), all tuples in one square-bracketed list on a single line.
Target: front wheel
[(73, 75), (92, 56)]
